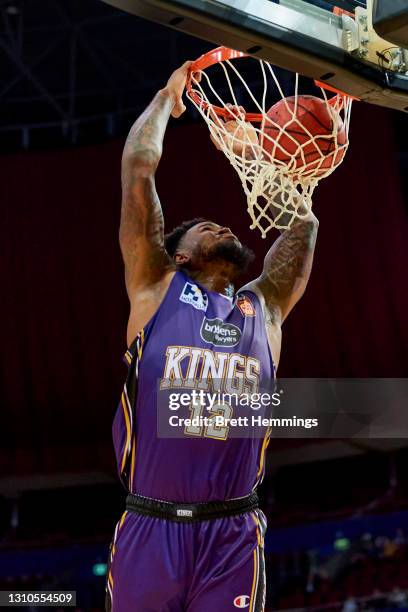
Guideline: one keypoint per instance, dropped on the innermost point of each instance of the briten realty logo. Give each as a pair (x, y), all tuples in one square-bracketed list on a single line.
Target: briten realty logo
[(242, 601), (193, 295), (218, 333)]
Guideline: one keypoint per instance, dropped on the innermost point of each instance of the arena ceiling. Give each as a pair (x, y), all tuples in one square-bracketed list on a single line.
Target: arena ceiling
[(72, 71)]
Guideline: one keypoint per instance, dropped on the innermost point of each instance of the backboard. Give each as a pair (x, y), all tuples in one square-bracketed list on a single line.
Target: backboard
[(331, 41)]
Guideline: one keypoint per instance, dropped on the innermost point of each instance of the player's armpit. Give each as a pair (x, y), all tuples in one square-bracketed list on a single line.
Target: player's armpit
[(287, 267)]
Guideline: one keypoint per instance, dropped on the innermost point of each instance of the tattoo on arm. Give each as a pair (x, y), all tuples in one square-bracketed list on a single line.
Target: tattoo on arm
[(145, 138), (287, 267), (142, 227)]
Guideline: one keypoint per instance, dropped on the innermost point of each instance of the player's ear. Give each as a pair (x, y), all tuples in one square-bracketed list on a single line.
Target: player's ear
[(181, 258)]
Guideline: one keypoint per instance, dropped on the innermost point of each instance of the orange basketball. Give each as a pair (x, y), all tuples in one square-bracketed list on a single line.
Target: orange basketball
[(309, 133)]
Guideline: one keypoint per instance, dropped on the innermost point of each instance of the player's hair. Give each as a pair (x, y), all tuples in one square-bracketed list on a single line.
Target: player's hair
[(173, 238)]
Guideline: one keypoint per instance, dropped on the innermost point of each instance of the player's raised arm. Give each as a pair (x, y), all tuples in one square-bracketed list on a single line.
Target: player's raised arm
[(141, 233), (287, 267)]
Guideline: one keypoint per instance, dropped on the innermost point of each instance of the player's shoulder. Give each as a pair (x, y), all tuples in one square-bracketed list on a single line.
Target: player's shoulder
[(249, 288), (271, 316)]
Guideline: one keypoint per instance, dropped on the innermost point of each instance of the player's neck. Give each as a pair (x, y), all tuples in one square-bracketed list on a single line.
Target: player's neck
[(215, 279)]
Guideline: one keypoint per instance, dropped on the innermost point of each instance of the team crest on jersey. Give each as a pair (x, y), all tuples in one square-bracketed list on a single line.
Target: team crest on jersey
[(242, 601), (218, 333), (245, 305), (193, 295)]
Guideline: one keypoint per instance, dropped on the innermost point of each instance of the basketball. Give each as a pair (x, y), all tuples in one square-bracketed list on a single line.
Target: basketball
[(305, 132)]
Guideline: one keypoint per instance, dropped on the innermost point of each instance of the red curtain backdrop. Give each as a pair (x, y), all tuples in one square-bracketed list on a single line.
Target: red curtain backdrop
[(64, 306)]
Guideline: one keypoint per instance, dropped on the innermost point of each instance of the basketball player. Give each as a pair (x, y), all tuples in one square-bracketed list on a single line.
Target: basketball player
[(191, 538)]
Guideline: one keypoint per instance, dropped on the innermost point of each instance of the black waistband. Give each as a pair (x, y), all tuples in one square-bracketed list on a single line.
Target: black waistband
[(189, 513)]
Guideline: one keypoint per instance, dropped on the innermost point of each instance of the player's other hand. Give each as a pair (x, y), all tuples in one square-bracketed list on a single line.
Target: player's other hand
[(175, 88), (236, 112), (235, 133)]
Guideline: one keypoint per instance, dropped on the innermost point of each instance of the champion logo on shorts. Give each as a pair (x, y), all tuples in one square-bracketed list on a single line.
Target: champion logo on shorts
[(193, 295), (242, 601)]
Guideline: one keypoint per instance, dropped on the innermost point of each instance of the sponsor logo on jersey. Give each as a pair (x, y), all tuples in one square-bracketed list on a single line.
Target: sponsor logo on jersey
[(184, 512), (245, 305), (193, 295), (218, 333), (242, 601)]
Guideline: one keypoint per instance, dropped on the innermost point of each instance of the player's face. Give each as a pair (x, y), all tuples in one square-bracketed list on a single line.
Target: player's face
[(208, 241), (207, 236)]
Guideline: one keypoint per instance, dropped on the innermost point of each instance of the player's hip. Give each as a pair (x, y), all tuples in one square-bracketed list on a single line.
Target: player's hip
[(149, 524), (154, 560)]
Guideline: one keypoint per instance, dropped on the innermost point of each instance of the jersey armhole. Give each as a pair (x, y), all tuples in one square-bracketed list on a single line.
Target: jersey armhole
[(260, 300)]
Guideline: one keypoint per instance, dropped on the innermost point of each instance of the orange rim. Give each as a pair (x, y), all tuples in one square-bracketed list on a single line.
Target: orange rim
[(222, 54), (343, 94)]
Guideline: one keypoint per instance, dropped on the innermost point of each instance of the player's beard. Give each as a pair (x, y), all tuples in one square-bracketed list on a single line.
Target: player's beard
[(232, 252)]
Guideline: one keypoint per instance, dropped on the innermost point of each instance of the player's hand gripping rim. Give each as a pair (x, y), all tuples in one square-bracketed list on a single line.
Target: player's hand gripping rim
[(176, 86)]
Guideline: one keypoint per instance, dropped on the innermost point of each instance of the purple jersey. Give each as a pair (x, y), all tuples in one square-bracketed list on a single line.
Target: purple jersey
[(198, 336)]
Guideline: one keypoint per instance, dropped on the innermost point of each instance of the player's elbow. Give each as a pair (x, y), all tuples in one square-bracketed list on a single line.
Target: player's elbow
[(308, 228)]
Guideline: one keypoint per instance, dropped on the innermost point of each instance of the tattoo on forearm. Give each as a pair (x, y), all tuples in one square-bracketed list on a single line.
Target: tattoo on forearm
[(146, 136), (289, 259)]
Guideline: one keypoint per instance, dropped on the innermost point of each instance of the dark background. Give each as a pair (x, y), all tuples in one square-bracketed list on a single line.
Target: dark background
[(76, 76)]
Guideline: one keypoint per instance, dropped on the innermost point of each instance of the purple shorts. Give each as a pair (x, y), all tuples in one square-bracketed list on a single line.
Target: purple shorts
[(158, 565)]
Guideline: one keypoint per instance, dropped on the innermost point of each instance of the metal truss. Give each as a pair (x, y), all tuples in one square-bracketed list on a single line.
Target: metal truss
[(76, 67)]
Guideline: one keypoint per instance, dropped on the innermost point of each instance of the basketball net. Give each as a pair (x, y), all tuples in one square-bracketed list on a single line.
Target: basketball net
[(278, 182)]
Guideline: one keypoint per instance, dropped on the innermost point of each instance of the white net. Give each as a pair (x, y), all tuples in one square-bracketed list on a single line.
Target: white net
[(280, 152)]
